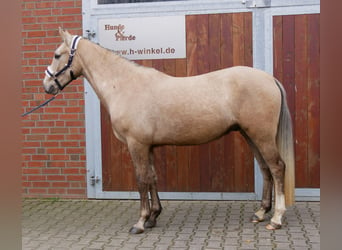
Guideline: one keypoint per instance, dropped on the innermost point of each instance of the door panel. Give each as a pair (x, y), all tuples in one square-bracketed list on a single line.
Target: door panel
[(213, 42), (296, 43)]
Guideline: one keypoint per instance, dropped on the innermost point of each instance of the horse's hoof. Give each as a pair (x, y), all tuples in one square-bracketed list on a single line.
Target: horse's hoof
[(150, 223), (136, 230), (256, 219), (273, 226)]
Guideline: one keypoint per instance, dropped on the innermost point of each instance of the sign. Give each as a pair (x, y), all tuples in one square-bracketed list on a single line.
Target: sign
[(144, 37)]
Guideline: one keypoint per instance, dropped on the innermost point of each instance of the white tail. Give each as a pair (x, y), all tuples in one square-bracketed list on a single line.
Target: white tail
[(286, 147)]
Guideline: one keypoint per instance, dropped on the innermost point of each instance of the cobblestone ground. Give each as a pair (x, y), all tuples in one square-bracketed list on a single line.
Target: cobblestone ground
[(98, 224)]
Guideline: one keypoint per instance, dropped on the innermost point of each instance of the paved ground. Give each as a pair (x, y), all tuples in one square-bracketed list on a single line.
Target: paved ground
[(94, 224)]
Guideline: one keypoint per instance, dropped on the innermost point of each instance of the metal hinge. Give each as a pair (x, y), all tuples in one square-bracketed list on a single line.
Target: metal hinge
[(94, 180), (257, 3), (90, 34)]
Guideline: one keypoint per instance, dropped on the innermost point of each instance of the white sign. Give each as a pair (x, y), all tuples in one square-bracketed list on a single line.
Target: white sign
[(144, 37)]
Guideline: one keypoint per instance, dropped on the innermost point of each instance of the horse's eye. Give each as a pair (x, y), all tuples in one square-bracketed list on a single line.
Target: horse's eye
[(57, 56)]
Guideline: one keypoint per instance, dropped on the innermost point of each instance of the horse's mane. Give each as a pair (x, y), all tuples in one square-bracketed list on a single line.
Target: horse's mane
[(116, 54)]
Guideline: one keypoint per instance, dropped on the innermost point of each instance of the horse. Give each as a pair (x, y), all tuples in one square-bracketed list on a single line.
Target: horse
[(148, 108)]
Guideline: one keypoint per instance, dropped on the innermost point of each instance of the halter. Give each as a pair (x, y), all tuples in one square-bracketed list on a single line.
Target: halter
[(50, 73)]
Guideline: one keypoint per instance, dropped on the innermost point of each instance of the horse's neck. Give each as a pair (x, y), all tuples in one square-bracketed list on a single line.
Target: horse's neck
[(107, 72)]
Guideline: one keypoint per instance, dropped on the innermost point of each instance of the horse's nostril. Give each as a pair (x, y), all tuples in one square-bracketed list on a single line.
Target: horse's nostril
[(50, 90)]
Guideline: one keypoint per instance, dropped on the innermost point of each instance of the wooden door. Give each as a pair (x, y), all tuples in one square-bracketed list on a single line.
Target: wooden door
[(296, 64), (213, 42)]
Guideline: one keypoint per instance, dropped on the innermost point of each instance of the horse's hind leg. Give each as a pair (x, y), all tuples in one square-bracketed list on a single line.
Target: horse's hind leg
[(276, 167), (266, 202), (278, 173)]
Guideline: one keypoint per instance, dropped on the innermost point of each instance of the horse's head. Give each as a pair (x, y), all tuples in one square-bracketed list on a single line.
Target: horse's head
[(63, 68)]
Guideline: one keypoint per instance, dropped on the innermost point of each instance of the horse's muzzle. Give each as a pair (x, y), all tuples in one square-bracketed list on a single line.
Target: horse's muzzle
[(52, 90)]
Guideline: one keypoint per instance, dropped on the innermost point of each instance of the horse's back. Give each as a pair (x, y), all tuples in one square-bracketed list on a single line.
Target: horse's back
[(226, 92)]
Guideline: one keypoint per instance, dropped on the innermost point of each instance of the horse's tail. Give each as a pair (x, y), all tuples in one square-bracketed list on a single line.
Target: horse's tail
[(286, 147)]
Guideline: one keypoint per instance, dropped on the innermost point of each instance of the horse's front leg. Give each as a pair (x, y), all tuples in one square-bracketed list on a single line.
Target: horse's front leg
[(144, 209), (156, 207), (144, 177)]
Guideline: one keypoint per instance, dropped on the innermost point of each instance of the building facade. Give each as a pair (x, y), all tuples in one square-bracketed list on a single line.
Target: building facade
[(68, 148)]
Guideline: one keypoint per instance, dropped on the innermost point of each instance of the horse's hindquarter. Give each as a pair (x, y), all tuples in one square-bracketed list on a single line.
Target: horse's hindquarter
[(257, 102)]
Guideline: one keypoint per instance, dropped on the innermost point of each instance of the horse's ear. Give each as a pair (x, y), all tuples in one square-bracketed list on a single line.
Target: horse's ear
[(65, 36)]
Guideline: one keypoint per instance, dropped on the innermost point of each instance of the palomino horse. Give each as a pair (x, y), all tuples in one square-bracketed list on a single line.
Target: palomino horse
[(149, 108)]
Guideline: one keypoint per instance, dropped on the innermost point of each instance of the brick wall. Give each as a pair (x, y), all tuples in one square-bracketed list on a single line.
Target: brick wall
[(53, 163)]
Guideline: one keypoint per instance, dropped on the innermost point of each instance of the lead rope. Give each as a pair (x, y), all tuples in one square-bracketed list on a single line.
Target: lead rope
[(41, 105)]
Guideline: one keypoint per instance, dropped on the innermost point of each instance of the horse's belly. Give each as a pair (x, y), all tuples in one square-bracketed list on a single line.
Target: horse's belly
[(193, 131)]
